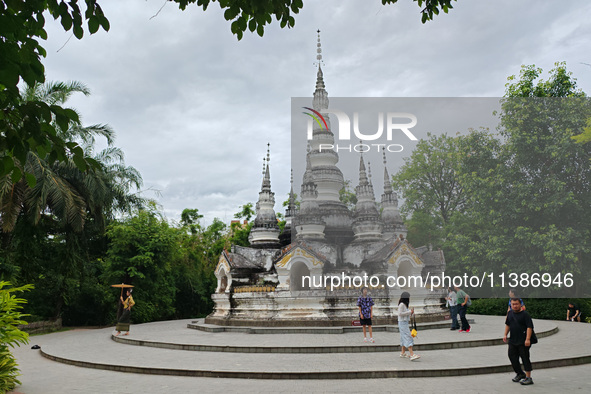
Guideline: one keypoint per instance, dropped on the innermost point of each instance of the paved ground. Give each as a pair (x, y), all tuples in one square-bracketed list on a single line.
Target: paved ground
[(96, 346), (41, 375)]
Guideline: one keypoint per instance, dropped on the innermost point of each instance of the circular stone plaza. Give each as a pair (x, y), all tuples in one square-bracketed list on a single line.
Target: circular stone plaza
[(183, 356)]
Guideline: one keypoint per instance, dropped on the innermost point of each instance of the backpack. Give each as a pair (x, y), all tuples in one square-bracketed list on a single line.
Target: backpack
[(469, 302)]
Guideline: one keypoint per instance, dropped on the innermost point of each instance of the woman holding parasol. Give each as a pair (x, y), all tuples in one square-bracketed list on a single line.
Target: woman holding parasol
[(123, 319)]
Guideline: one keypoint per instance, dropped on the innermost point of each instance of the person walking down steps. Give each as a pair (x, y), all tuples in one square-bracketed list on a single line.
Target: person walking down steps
[(521, 327)]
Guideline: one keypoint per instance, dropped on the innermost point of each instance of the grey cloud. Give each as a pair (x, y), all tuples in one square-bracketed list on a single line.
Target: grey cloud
[(194, 109)]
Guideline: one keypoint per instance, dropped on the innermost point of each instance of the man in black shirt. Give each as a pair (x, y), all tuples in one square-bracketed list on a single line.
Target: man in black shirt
[(519, 323), (573, 312)]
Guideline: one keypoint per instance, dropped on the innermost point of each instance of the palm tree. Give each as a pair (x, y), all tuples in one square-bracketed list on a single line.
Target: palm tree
[(60, 189)]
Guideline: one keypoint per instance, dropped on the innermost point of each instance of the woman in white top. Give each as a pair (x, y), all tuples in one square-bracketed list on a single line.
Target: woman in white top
[(404, 315)]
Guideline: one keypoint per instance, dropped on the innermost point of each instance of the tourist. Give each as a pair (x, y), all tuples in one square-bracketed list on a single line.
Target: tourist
[(452, 304), (573, 313), (124, 321), (511, 296), (462, 300), (519, 323), (365, 304), (404, 315)]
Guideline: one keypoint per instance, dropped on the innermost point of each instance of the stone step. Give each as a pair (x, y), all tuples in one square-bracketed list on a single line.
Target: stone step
[(94, 349), (201, 326), (466, 341)]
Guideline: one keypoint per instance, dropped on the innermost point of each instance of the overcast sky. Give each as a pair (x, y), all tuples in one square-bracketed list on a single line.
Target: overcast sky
[(193, 108)]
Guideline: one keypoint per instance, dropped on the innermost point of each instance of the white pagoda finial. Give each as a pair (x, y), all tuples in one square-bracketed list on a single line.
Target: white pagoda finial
[(319, 61)]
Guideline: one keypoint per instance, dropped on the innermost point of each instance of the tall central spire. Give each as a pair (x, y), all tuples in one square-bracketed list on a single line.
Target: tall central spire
[(320, 94), (323, 170)]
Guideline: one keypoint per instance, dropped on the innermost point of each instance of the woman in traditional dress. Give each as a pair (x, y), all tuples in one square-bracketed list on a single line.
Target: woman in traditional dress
[(404, 314), (124, 321)]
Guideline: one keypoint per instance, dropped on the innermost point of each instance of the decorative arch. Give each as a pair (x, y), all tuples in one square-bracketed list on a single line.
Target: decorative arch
[(223, 275), (406, 269), (295, 264), (298, 270), (404, 261)]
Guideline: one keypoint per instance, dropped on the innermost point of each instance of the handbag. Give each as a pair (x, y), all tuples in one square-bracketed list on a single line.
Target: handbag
[(469, 302), (533, 339), (414, 331)]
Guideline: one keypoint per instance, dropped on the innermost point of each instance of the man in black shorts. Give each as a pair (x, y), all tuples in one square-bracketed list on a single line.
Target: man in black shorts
[(573, 313), (519, 323), (365, 304)]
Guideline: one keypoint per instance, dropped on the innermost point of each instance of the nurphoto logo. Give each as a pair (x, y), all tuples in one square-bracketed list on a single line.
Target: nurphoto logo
[(395, 122)]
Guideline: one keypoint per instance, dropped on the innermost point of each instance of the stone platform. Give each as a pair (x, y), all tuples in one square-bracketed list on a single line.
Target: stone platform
[(170, 348), (202, 326)]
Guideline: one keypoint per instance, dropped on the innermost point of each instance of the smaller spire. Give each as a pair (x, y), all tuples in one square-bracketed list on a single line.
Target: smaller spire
[(387, 183), (369, 171), (362, 172), (266, 173), (265, 231), (291, 199)]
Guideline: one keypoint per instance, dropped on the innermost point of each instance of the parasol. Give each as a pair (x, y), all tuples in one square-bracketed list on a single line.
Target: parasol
[(122, 286)]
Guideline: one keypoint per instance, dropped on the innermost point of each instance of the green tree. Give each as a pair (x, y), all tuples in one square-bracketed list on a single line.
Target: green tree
[(531, 211), (429, 178), (190, 219), (585, 136), (142, 251), (246, 212), (432, 183)]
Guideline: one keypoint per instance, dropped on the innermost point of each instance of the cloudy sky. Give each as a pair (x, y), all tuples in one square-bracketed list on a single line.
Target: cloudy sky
[(194, 108)]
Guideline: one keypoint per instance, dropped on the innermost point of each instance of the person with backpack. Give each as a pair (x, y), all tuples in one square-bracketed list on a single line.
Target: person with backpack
[(464, 302), (521, 327), (511, 296)]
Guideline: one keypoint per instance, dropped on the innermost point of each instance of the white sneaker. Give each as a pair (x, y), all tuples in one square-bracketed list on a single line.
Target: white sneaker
[(365, 340), (414, 357), (403, 355), (371, 340)]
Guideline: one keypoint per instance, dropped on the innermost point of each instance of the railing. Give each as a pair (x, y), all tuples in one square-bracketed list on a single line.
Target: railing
[(254, 289)]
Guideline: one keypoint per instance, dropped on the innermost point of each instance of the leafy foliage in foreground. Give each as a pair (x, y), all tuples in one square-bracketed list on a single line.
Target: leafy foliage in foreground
[(10, 335)]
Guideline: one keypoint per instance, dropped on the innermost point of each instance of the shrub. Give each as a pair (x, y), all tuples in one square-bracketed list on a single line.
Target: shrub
[(538, 308), (10, 335)]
